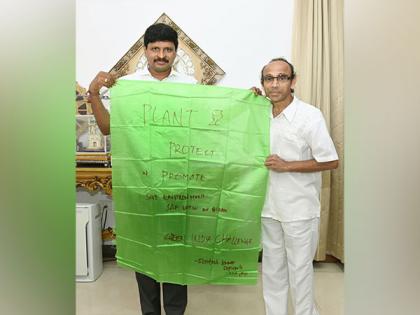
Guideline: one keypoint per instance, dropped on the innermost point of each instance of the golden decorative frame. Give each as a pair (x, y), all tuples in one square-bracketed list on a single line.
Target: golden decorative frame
[(93, 179), (82, 105)]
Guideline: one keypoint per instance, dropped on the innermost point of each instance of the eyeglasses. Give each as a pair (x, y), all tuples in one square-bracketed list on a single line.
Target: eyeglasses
[(280, 78)]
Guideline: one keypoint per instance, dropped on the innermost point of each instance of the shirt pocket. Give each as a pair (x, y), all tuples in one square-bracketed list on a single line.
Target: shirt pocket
[(289, 146)]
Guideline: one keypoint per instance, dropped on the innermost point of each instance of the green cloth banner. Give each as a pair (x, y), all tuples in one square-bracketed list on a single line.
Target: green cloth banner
[(189, 180)]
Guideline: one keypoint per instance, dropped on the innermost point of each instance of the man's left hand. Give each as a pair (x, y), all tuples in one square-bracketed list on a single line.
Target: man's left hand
[(256, 91)]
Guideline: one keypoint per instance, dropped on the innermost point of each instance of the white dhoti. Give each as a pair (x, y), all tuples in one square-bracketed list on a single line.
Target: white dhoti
[(288, 252)]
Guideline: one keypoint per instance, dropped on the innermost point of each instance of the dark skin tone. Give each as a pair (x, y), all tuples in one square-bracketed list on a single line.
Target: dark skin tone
[(101, 114)]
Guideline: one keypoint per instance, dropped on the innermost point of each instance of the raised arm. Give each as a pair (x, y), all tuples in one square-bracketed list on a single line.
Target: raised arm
[(101, 114)]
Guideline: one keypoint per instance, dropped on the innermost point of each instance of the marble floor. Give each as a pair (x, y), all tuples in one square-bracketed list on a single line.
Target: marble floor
[(115, 293)]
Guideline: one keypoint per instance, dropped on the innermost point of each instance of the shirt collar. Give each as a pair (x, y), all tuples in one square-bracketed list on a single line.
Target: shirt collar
[(290, 111), (145, 71)]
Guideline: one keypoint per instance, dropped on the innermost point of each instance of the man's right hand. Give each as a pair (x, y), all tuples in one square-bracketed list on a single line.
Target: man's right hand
[(102, 79), (101, 114)]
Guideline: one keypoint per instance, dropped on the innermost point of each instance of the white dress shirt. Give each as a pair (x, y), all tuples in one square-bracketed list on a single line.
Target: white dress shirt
[(299, 133), (172, 77)]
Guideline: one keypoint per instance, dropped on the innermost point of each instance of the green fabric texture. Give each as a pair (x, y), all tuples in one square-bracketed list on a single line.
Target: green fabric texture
[(189, 180)]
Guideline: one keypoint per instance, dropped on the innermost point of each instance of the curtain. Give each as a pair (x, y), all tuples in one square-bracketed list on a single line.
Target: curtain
[(317, 54)]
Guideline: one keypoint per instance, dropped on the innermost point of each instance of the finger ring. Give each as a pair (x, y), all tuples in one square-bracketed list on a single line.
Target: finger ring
[(106, 80)]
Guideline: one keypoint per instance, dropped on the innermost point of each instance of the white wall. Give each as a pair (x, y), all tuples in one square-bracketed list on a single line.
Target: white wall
[(241, 36)]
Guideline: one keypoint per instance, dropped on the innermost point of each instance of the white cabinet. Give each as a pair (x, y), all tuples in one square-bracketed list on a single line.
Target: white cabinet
[(88, 242)]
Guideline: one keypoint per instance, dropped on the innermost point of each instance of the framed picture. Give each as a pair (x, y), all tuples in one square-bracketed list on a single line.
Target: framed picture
[(92, 147), (89, 138)]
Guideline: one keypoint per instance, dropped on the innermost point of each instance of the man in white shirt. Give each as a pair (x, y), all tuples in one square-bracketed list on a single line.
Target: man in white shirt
[(301, 148), (161, 42)]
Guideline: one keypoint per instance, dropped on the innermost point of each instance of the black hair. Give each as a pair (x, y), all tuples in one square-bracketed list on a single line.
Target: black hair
[(160, 32), (292, 68)]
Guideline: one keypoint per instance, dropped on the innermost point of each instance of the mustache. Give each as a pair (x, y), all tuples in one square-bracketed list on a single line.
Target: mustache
[(161, 59)]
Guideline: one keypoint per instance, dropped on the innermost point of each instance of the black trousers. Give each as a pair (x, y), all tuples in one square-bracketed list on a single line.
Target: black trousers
[(174, 296)]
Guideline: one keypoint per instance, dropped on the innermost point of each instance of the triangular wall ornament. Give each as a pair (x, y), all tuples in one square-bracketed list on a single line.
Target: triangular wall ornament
[(191, 59)]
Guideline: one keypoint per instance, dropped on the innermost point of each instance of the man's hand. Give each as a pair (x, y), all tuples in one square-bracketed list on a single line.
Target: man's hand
[(256, 90), (275, 163), (102, 79), (101, 114)]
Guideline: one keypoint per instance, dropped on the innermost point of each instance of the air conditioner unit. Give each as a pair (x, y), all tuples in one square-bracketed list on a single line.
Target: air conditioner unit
[(88, 242)]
